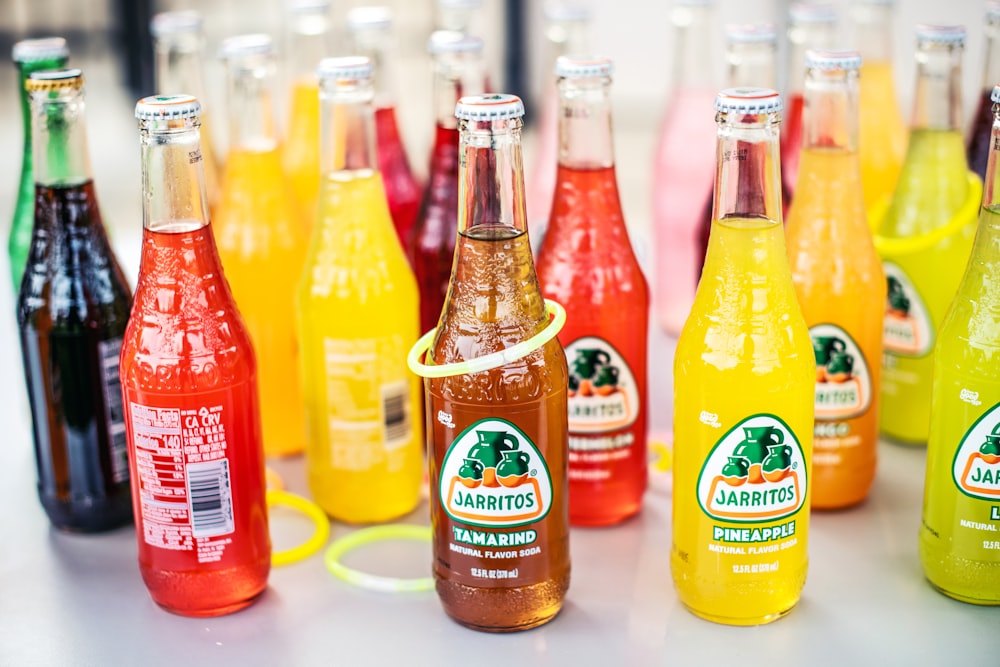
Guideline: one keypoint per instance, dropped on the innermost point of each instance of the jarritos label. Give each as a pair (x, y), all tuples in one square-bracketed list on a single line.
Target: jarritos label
[(843, 383), (907, 329), (756, 472), (493, 476), (976, 468), (603, 396)]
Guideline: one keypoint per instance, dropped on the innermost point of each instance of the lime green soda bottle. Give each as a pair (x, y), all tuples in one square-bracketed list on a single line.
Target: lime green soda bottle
[(960, 532), (925, 236)]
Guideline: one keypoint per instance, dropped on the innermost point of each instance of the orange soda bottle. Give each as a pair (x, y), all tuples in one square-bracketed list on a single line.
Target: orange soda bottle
[(259, 232), (839, 281)]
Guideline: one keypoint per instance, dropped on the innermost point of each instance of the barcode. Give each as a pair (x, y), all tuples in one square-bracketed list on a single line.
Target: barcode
[(210, 498), (395, 416), (109, 351)]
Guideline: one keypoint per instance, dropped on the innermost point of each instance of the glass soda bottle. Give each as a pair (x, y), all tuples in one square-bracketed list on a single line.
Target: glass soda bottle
[(178, 46), (189, 378), (586, 264), (371, 31), (308, 43), (978, 143), (882, 135), (71, 313), (497, 439), (839, 281), (456, 15), (744, 378), (358, 316), (958, 541), (567, 31), (924, 246), (685, 162), (810, 26), (29, 55), (751, 55), (458, 71), (261, 238)]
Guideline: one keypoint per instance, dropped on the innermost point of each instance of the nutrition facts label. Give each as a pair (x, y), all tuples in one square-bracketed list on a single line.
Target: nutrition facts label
[(185, 489)]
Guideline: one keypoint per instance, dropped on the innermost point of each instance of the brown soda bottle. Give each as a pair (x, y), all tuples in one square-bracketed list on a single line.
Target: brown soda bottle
[(497, 438)]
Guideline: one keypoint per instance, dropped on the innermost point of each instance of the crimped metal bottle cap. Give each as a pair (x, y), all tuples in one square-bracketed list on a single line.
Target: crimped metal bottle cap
[(499, 106), (941, 34), (748, 100), (167, 107), (307, 6), (175, 23), (55, 79), (566, 12), (452, 41), (808, 13), (751, 33), (245, 45), (581, 67), (829, 59), (31, 50), (369, 18), (345, 67)]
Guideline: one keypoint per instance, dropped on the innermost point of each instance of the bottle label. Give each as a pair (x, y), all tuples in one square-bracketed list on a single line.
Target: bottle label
[(843, 383), (755, 473), (108, 352), (184, 477), (976, 468), (907, 328), (603, 396), (368, 412)]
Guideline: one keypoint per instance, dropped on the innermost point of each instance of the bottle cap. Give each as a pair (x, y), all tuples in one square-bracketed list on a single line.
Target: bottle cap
[(30, 50), (245, 45), (567, 12), (809, 13), (55, 79), (500, 106), (167, 107), (173, 23), (827, 60), (941, 34), (582, 67), (307, 6), (995, 95), (452, 41), (748, 100), (459, 4), (369, 18), (993, 11), (345, 67), (751, 33)]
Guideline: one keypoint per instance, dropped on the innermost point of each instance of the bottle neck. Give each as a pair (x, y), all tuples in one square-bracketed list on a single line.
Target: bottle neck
[(802, 37), (251, 84), (752, 64), (347, 128), (24, 71), (747, 176), (937, 98), (59, 137), (693, 46), (585, 123), (308, 42), (455, 76), (178, 61), (991, 68), (173, 176), (830, 113), (375, 44), (491, 179), (872, 30)]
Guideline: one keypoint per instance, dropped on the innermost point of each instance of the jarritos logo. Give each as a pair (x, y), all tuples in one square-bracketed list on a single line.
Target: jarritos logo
[(843, 384), (907, 329), (493, 476), (756, 472), (602, 392), (976, 468)]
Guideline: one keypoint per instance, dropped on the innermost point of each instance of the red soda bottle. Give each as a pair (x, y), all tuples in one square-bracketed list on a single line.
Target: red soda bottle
[(457, 71), (371, 30), (586, 263), (189, 379), (981, 128)]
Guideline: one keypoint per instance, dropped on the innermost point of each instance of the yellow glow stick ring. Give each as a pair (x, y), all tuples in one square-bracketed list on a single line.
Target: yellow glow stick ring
[(488, 361), (365, 536), (312, 512)]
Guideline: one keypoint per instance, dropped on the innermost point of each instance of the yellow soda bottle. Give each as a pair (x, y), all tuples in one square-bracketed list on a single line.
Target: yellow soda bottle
[(358, 315), (925, 235), (307, 45), (258, 229), (960, 532), (882, 133), (839, 281), (744, 376)]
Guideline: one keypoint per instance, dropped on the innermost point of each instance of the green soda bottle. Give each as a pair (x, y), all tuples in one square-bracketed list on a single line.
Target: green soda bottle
[(30, 55)]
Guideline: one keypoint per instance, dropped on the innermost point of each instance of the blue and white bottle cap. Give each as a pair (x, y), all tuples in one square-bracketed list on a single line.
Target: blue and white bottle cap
[(369, 18), (808, 13), (345, 67), (246, 45), (751, 33), (566, 12), (498, 106), (307, 6), (829, 60), (748, 100), (452, 41), (167, 107), (175, 23), (31, 50), (583, 67), (941, 34)]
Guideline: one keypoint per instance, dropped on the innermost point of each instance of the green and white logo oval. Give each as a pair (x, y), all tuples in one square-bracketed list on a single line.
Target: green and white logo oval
[(755, 473), (493, 476), (843, 382), (976, 467), (907, 327), (603, 396)]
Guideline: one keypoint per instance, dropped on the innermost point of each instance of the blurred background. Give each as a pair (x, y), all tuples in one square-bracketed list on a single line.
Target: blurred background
[(110, 40)]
